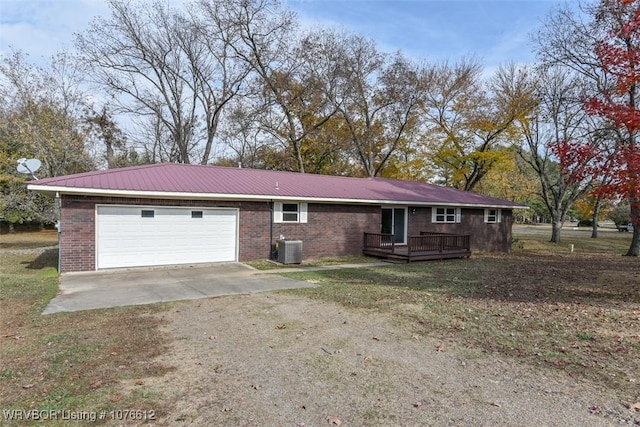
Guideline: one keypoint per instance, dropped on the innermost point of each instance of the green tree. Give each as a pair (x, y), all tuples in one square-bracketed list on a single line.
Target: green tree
[(40, 117), (470, 124)]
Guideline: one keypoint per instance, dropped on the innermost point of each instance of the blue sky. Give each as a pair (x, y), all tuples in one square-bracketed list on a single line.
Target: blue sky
[(494, 31)]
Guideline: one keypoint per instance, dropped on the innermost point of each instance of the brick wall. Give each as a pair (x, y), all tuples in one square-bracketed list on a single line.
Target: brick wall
[(331, 229), (77, 236), (484, 237)]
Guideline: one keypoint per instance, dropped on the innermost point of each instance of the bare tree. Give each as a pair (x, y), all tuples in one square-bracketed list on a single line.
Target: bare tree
[(286, 86), (559, 118), (170, 69), (208, 41), (242, 136)]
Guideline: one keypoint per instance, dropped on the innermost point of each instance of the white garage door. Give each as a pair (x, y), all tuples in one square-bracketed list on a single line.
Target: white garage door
[(135, 236)]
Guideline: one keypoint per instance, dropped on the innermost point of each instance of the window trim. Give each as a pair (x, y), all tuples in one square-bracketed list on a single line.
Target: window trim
[(278, 212), (457, 215), (497, 216)]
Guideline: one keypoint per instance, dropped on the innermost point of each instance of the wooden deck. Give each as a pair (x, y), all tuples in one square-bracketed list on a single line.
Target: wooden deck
[(426, 246)]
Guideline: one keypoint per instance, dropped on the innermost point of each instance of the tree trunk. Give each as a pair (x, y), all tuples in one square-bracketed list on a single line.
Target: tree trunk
[(596, 214), (556, 226), (634, 249)]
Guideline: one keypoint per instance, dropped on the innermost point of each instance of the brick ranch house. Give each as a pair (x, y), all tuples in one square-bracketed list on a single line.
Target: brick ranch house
[(166, 214)]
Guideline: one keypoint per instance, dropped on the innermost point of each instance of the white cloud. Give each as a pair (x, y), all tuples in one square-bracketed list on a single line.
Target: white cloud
[(42, 28)]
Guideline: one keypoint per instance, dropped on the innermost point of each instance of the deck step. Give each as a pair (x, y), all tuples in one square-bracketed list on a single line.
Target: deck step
[(394, 260)]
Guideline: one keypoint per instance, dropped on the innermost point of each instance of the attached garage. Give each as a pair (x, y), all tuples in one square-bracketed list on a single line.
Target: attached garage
[(138, 236), (170, 213)]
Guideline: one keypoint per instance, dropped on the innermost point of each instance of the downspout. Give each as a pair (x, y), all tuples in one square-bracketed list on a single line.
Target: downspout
[(270, 230), (58, 202)]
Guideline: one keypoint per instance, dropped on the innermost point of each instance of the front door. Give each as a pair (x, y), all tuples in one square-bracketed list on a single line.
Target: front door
[(394, 221)]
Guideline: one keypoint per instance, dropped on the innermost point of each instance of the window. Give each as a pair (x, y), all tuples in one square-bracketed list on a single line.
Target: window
[(290, 212), (148, 213), (445, 215), (196, 214), (492, 216)]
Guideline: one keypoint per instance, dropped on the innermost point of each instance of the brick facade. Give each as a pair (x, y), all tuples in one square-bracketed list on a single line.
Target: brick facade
[(484, 237), (331, 229)]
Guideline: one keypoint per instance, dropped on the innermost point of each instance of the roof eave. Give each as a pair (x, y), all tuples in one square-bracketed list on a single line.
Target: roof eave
[(53, 190)]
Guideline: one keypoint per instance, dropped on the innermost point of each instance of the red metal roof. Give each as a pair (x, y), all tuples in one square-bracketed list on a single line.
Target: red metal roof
[(197, 181)]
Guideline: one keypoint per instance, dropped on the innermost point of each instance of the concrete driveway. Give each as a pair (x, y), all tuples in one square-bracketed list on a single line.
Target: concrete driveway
[(102, 289)]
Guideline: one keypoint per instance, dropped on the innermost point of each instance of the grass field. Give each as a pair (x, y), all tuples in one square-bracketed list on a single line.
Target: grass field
[(578, 312), (86, 361), (543, 305)]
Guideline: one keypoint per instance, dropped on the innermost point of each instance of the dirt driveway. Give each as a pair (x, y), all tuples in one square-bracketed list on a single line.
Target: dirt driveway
[(273, 359)]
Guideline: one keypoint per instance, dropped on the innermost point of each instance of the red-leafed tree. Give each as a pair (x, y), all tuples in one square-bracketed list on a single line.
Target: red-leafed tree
[(620, 58), (613, 36)]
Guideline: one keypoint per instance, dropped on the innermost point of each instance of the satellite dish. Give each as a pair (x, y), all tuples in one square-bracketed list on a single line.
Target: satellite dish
[(29, 166)]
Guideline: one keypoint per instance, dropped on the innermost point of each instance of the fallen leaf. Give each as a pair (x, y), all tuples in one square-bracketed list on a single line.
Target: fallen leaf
[(635, 407), (417, 404), (113, 353), (440, 348), (300, 425), (8, 335), (96, 384), (338, 351), (368, 358), (140, 382), (497, 405), (281, 326), (375, 338), (226, 409), (334, 421), (213, 337), (218, 368), (116, 399), (26, 386), (255, 387)]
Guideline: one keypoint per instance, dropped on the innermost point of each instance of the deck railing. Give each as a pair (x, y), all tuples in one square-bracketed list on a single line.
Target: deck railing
[(430, 241), (379, 241), (425, 242)]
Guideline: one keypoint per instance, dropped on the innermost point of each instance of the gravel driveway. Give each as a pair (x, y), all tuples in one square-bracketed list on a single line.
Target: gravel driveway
[(278, 360)]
